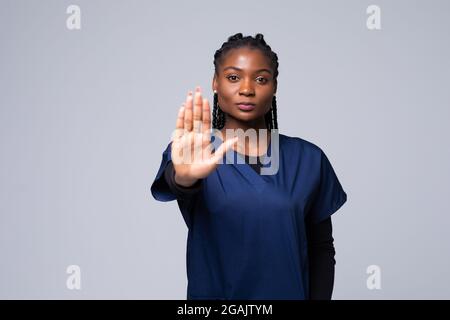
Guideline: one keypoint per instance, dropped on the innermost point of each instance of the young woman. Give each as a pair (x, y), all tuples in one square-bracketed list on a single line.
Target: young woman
[(250, 235)]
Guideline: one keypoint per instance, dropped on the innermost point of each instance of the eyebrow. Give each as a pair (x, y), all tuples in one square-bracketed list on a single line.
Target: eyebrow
[(239, 69)]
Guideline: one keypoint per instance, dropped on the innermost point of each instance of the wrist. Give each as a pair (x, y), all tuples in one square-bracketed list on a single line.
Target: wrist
[(184, 182)]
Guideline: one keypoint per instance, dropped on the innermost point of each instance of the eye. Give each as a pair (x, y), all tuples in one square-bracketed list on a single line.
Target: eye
[(232, 76), (263, 80)]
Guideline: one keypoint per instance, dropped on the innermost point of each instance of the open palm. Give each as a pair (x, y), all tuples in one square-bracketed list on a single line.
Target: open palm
[(191, 149)]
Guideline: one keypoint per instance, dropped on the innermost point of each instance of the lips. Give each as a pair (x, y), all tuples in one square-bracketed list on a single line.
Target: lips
[(246, 106)]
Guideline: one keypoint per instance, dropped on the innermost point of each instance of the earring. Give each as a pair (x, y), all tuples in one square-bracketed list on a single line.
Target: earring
[(215, 91)]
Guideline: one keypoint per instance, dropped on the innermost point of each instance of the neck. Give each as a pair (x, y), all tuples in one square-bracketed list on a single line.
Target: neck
[(247, 146), (232, 123)]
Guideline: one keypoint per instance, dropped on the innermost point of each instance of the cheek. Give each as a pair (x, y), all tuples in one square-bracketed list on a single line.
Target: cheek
[(267, 103), (225, 101)]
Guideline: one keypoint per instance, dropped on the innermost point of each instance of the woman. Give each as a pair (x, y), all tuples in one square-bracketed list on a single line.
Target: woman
[(251, 235)]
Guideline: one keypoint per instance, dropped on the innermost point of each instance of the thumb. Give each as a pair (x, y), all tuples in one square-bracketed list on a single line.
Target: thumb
[(223, 148)]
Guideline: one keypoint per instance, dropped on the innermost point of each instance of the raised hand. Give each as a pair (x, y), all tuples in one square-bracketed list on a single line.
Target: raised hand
[(191, 149)]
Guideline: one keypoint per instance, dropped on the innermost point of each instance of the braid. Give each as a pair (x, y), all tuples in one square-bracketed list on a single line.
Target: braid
[(274, 112), (238, 41), (218, 115), (271, 116)]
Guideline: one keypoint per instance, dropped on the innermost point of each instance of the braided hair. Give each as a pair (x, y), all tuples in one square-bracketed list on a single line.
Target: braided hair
[(238, 41)]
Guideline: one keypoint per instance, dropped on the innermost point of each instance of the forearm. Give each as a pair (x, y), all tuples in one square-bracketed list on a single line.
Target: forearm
[(322, 273), (321, 255)]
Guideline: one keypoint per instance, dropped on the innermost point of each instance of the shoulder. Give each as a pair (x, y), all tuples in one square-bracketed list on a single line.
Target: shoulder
[(300, 145)]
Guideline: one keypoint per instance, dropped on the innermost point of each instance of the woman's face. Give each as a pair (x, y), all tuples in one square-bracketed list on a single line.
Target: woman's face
[(245, 76)]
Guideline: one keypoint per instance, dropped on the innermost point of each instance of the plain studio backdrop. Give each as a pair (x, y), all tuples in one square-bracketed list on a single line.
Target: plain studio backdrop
[(87, 113)]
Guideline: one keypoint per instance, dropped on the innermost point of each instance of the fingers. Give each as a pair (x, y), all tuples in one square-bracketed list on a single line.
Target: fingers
[(188, 112), (179, 128), (206, 123), (198, 102), (197, 113), (206, 117)]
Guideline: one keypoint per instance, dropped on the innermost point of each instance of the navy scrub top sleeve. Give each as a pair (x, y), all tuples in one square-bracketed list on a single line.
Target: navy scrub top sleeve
[(329, 195), (164, 187), (160, 189)]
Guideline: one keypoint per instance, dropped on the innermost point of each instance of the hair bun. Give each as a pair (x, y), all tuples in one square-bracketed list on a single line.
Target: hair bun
[(235, 37), (260, 37)]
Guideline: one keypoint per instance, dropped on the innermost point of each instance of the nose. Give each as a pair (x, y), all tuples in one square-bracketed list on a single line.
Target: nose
[(246, 88)]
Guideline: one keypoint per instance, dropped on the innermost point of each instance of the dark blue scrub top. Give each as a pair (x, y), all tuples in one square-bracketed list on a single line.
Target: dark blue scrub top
[(246, 232)]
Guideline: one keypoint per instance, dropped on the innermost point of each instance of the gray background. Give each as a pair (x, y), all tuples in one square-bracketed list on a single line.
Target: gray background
[(86, 114)]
